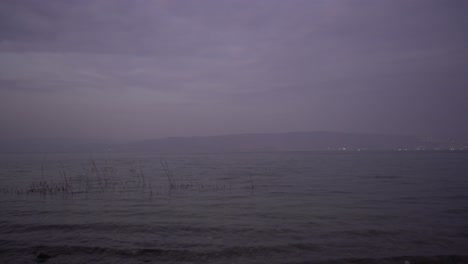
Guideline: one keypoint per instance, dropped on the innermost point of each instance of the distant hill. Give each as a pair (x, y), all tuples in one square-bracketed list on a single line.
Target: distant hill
[(48, 145), (295, 141)]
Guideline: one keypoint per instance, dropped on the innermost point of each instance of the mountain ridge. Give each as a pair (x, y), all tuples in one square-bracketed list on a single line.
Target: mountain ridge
[(289, 141)]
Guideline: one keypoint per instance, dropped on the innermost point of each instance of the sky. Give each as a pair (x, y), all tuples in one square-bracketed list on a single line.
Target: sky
[(128, 70)]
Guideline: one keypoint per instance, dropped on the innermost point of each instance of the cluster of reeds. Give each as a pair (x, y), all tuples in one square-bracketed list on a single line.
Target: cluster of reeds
[(41, 187), (169, 174), (105, 178)]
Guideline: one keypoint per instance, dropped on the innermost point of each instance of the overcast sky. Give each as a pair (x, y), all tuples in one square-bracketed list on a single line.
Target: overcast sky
[(123, 70)]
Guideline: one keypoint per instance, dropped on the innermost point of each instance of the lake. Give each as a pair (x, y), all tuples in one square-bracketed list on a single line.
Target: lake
[(265, 207)]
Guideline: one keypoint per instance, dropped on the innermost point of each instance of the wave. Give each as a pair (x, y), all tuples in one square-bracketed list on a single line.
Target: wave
[(8, 227), (161, 254), (446, 259), (76, 254)]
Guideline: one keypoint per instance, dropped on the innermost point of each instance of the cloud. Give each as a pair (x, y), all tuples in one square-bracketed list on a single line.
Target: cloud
[(312, 64)]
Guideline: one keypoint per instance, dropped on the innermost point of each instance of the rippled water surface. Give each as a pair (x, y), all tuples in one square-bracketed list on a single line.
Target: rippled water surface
[(282, 207)]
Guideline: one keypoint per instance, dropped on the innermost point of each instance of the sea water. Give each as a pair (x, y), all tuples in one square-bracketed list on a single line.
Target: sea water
[(265, 207)]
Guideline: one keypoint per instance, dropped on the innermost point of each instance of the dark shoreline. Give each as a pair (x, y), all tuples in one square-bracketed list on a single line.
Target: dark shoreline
[(72, 254), (436, 259)]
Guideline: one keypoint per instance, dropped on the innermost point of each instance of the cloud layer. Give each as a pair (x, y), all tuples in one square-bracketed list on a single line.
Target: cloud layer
[(142, 69)]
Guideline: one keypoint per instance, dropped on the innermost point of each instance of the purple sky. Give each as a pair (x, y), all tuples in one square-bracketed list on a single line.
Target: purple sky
[(121, 70)]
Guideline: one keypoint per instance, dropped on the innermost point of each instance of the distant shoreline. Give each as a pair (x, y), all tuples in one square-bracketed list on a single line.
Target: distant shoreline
[(79, 254)]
